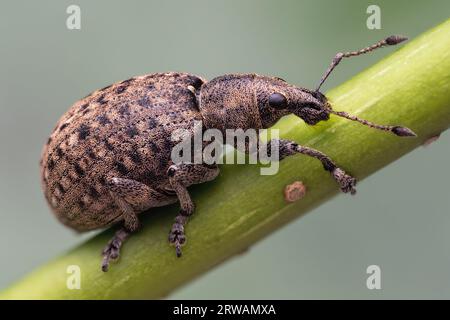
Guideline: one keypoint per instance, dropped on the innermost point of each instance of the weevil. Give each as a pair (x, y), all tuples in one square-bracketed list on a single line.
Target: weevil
[(108, 158)]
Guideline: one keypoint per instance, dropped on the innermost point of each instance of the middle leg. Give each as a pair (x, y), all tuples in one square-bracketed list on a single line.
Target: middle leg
[(181, 176)]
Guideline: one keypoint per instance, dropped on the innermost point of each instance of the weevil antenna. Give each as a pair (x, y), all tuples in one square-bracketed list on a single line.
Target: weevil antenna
[(398, 130), (389, 41)]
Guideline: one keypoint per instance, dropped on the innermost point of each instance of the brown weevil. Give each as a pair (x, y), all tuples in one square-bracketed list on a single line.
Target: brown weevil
[(109, 156)]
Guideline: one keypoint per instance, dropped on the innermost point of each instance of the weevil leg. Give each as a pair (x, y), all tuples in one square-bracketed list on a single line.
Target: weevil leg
[(181, 176), (112, 249), (131, 197), (287, 148)]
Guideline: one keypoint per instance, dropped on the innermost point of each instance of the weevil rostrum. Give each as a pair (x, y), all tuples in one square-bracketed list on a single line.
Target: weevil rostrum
[(108, 158)]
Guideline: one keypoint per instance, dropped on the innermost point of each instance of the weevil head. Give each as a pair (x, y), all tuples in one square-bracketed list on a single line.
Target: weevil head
[(253, 101)]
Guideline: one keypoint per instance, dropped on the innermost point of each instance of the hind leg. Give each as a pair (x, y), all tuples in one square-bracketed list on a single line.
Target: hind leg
[(132, 197)]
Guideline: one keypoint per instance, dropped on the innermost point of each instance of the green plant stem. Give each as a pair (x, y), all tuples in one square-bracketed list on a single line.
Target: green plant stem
[(410, 87)]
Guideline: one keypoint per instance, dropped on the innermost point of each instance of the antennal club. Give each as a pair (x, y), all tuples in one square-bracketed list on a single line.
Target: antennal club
[(398, 130), (389, 41)]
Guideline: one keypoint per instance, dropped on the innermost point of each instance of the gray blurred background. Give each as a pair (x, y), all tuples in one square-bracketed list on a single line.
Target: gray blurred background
[(399, 220)]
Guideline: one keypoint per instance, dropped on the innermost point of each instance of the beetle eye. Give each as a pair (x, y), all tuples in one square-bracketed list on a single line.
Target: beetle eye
[(277, 100)]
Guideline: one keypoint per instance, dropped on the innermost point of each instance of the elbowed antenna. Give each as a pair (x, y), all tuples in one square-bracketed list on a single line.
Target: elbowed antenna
[(398, 130), (389, 41)]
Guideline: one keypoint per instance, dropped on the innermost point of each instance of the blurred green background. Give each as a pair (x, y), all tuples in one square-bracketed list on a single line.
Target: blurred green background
[(399, 220)]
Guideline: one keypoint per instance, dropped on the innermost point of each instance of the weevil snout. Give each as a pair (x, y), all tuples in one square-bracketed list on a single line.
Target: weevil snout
[(312, 114), (312, 107)]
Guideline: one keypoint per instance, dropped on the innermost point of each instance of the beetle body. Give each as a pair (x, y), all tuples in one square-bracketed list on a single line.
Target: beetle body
[(109, 157), (124, 131)]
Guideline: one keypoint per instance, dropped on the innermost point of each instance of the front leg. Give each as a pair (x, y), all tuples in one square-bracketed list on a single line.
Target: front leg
[(287, 148), (180, 177)]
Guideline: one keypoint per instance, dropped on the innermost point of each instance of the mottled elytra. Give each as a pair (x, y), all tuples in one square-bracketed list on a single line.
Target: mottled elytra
[(109, 156)]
